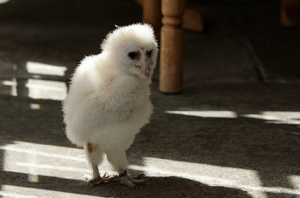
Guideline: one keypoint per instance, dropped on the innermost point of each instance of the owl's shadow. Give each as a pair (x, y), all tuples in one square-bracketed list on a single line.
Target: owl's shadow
[(157, 187), (169, 187)]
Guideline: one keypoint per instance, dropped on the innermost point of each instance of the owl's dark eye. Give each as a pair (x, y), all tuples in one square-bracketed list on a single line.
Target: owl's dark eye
[(132, 55), (148, 53)]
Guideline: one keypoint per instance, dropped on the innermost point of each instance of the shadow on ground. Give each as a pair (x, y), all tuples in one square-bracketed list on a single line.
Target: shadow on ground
[(168, 187)]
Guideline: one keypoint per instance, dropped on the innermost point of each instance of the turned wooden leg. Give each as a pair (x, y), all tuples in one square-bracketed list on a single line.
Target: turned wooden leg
[(171, 49), (192, 20), (289, 13), (152, 15)]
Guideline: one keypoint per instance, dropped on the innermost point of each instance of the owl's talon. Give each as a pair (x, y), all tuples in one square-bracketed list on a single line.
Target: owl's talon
[(95, 181), (106, 175), (98, 180), (131, 181), (127, 181), (140, 176)]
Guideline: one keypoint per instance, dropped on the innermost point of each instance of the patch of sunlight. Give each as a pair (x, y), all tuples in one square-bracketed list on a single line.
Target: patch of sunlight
[(33, 178), (49, 167), (46, 89), (247, 180), (38, 160), (277, 117), (295, 181), (34, 106), (273, 117), (24, 192), (45, 69), (206, 114), (44, 150), (4, 1), (13, 86)]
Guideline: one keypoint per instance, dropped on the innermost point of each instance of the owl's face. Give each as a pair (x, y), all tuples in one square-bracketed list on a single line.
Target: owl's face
[(139, 58)]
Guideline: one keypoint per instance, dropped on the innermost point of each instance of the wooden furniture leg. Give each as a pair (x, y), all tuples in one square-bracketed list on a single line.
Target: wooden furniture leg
[(171, 49), (152, 15), (289, 13), (192, 19)]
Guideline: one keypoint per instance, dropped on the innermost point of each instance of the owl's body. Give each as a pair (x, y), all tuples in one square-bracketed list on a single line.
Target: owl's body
[(109, 97), (104, 106)]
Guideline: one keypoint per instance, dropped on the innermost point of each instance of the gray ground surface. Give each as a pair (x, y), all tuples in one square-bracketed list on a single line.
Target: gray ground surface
[(233, 132)]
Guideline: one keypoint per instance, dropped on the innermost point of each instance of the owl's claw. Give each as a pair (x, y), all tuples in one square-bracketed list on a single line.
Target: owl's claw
[(131, 181), (99, 180), (140, 176)]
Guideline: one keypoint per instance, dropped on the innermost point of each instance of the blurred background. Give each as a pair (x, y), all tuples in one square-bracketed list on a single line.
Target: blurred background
[(238, 41)]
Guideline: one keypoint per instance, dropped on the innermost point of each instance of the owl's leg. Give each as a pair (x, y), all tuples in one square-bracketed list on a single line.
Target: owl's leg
[(119, 161), (95, 157)]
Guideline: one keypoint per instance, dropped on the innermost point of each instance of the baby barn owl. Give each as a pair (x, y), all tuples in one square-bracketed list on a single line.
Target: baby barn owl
[(109, 99)]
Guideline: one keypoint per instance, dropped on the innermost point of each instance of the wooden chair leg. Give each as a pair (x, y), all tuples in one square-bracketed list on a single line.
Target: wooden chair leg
[(171, 58), (152, 15), (193, 20), (289, 13)]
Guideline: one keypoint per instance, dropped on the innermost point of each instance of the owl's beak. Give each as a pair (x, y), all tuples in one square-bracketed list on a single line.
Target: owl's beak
[(147, 72), (145, 68)]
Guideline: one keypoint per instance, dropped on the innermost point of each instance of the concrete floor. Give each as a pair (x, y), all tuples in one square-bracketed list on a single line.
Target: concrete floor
[(233, 132)]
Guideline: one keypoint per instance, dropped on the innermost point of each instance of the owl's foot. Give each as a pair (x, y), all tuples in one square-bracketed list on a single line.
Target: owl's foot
[(131, 181), (99, 180)]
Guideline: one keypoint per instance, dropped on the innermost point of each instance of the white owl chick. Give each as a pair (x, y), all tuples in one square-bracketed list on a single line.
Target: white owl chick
[(108, 101)]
